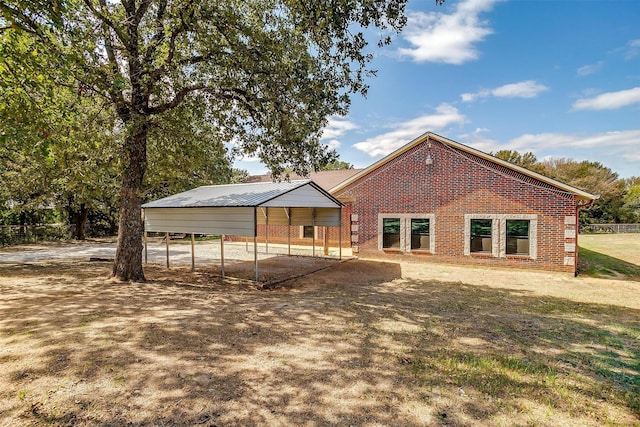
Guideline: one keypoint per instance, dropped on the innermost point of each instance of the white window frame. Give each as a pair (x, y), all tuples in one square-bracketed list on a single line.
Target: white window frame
[(495, 238), (315, 231), (499, 234), (405, 231)]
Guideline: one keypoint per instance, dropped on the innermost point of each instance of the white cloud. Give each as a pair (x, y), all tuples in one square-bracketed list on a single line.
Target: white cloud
[(249, 159), (619, 146), (447, 38), (333, 144), (337, 127), (627, 138), (404, 132), (609, 101), (525, 89), (480, 142), (633, 49), (586, 70)]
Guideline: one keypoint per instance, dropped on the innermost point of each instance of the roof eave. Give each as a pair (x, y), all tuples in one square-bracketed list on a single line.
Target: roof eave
[(580, 194)]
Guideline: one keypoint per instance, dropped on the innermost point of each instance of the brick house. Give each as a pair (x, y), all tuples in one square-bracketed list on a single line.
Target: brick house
[(438, 199)]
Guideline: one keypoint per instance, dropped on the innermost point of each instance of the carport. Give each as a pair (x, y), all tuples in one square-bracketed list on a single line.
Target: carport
[(237, 209)]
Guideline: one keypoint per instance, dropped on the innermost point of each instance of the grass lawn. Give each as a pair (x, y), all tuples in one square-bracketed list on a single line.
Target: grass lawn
[(610, 255), (363, 343)]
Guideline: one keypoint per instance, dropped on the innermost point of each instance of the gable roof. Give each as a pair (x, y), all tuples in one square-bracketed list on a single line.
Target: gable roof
[(308, 193), (325, 179), (580, 194)]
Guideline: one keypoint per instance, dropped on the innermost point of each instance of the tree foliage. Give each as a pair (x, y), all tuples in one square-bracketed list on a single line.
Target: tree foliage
[(337, 165), (617, 196), (60, 145), (527, 160), (632, 202), (53, 151), (268, 72)]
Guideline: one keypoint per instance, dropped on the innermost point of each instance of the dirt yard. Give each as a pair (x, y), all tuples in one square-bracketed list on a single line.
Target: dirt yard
[(362, 343)]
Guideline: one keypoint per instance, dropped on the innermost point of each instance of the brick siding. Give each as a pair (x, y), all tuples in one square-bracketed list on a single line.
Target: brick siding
[(455, 184)]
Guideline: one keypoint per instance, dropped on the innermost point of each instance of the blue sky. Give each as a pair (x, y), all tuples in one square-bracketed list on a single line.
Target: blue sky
[(558, 78)]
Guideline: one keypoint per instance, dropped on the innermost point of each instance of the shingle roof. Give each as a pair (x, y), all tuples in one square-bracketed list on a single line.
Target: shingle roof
[(325, 179), (229, 195)]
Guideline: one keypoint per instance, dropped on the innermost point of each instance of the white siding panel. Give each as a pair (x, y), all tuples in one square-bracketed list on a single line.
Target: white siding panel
[(223, 220), (277, 216), (323, 216), (260, 215), (305, 196), (328, 216), (301, 216)]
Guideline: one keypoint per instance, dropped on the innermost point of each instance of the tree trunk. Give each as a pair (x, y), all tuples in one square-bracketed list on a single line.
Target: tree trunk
[(81, 222), (79, 219), (128, 262)]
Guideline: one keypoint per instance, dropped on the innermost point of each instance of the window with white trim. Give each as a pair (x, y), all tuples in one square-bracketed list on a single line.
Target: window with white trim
[(307, 232), (391, 233), (481, 235), (406, 232), (518, 236), (501, 235), (420, 234)]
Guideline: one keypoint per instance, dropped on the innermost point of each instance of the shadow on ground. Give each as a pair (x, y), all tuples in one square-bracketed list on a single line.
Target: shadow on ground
[(354, 344), (597, 264)]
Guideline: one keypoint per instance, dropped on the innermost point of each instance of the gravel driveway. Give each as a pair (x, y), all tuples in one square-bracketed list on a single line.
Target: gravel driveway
[(179, 252)]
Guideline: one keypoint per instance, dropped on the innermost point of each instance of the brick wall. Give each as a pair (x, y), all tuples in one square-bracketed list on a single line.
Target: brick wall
[(283, 234), (455, 184)]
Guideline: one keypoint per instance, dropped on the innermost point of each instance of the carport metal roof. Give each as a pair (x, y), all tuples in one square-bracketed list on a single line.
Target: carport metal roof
[(233, 209), (271, 194)]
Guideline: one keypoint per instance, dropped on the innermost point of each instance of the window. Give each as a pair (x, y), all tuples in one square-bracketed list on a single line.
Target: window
[(518, 237), (481, 235), (501, 235), (307, 231), (391, 233), (420, 234), (407, 232)]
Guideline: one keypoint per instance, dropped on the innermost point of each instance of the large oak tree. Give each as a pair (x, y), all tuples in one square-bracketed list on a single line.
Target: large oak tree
[(59, 145), (269, 72)]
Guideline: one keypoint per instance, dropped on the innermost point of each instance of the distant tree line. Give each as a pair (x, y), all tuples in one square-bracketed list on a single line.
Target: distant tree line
[(619, 200)]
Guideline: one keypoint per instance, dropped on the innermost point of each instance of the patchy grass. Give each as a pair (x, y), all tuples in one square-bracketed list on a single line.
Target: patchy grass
[(610, 255), (362, 343)]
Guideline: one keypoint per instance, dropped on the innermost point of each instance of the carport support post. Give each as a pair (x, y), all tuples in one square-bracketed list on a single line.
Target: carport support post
[(193, 253), (340, 235), (166, 236), (326, 240), (222, 255), (266, 229), (288, 211), (313, 239), (255, 240), (255, 255)]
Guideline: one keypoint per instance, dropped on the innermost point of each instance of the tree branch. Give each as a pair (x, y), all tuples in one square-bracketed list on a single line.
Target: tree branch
[(156, 74), (221, 93), (158, 37), (21, 20), (115, 94), (144, 6), (105, 20)]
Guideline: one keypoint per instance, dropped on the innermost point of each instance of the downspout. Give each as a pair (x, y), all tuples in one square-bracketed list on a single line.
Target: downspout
[(585, 205)]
